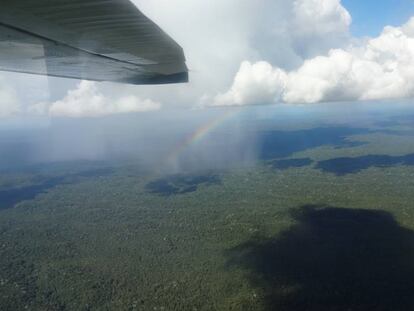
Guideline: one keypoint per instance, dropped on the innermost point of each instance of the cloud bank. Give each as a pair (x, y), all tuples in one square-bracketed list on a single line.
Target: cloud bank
[(217, 36), (87, 101), (378, 68)]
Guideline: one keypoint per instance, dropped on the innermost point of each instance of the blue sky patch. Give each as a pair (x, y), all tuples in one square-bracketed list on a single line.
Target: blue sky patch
[(370, 16)]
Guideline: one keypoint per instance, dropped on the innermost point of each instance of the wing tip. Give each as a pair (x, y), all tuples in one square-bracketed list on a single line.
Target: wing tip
[(181, 77)]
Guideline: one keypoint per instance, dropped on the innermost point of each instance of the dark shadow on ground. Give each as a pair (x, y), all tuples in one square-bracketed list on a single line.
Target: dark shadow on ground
[(348, 165), (180, 184), (291, 163), (280, 144), (333, 259), (10, 197)]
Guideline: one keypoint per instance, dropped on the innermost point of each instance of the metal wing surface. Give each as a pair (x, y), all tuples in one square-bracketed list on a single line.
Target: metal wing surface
[(100, 40)]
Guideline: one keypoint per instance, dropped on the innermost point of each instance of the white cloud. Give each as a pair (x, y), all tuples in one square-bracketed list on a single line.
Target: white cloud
[(217, 36), (254, 84), (87, 101), (9, 103), (319, 25), (320, 17), (379, 68)]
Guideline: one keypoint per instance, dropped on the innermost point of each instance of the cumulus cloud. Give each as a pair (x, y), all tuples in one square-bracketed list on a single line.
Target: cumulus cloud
[(87, 101), (321, 17), (319, 25), (378, 68), (9, 103), (225, 33), (254, 83)]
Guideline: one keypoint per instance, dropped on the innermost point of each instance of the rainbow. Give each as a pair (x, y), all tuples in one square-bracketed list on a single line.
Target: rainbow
[(199, 134)]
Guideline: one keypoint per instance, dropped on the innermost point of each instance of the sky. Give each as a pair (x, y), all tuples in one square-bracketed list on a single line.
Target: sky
[(243, 53), (370, 16)]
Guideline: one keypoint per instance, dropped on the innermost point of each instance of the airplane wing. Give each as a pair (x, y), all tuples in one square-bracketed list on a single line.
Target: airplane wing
[(99, 40)]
